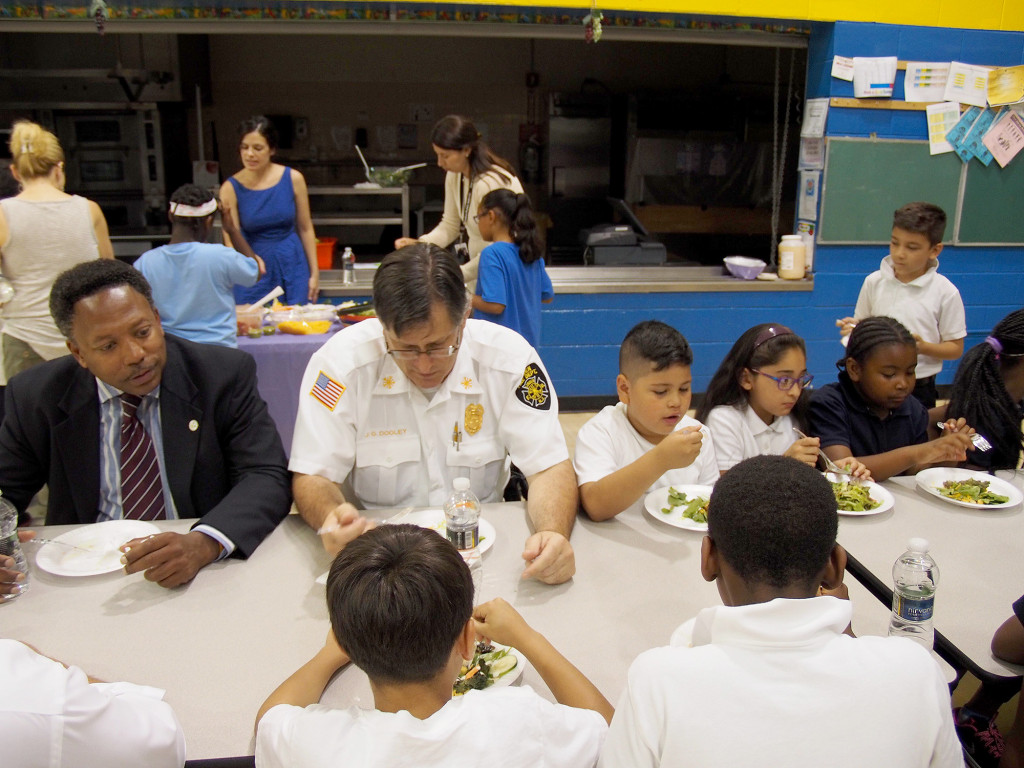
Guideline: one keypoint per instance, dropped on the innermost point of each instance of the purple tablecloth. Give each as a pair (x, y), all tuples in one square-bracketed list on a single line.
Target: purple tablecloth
[(280, 362)]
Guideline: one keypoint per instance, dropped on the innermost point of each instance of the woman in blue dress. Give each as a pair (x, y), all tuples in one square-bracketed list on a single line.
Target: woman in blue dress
[(268, 202)]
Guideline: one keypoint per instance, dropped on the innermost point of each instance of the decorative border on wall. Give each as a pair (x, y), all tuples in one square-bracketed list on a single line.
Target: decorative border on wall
[(339, 11)]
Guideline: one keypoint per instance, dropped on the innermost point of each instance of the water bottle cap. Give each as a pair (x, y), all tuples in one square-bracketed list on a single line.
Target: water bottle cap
[(917, 544), (461, 484)]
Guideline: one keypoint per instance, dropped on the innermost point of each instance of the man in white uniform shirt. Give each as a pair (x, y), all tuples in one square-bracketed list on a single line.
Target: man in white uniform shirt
[(399, 407)]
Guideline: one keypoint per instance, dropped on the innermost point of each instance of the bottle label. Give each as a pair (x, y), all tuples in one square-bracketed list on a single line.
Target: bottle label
[(786, 260), (912, 608), (467, 539)]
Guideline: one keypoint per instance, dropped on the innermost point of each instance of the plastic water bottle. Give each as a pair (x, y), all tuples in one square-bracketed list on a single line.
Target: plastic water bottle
[(915, 577), (348, 266), (462, 526), (10, 546)]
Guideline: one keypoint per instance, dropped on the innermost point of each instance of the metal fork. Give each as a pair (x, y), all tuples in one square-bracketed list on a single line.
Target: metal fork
[(830, 465), (979, 441)]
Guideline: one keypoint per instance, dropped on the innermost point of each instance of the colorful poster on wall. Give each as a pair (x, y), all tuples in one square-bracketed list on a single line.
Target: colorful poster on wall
[(812, 154), (873, 76), (967, 84), (806, 231), (842, 68), (973, 139), (807, 208), (941, 119), (956, 135), (1006, 137), (1006, 86), (925, 80)]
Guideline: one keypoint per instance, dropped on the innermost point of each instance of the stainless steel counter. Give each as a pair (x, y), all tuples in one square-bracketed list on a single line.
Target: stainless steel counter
[(625, 279)]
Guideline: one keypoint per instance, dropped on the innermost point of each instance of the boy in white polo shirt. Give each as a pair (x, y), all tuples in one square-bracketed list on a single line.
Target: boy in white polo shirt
[(770, 677), (400, 600), (646, 440), (908, 287)]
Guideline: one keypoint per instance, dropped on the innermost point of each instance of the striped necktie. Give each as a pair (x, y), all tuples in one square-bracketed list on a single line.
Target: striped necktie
[(142, 493)]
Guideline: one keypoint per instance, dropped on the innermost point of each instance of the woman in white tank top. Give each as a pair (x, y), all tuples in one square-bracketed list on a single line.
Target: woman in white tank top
[(43, 232)]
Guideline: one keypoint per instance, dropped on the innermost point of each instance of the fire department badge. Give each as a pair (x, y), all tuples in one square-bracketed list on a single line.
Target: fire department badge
[(533, 389)]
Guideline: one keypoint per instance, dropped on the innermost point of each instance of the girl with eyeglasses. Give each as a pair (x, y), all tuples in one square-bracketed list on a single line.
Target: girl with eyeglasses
[(757, 399), (869, 413)]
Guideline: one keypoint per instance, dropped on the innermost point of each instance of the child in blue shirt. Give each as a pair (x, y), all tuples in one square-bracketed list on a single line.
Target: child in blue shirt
[(193, 281), (512, 282)]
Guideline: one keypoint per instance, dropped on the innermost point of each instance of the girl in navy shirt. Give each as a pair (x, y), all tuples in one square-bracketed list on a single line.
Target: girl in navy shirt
[(869, 413)]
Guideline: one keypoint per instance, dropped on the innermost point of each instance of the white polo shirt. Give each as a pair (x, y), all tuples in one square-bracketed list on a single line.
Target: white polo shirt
[(360, 418), (608, 442), (778, 683), (740, 434), (929, 306)]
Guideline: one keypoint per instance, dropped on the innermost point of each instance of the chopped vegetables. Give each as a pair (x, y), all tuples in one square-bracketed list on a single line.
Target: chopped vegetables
[(971, 491), (695, 509), (851, 497), (488, 664)]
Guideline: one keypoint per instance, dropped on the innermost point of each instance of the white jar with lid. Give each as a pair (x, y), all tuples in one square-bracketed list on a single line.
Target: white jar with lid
[(792, 257)]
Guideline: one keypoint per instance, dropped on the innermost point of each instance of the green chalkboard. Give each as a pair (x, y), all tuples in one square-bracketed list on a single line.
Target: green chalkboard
[(991, 211), (865, 180)]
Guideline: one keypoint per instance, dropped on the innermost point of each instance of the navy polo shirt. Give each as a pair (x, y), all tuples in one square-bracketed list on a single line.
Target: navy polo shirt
[(839, 416), (1018, 609)]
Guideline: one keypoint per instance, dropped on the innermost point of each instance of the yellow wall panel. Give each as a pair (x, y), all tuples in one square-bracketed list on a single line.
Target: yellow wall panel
[(979, 14)]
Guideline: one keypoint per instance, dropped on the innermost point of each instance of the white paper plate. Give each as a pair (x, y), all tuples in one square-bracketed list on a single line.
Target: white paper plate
[(657, 499), (434, 520), (101, 539), (513, 676), (930, 480), (877, 493)]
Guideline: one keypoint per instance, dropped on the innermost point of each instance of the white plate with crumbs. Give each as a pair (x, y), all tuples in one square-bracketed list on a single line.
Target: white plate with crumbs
[(100, 542), (931, 481)]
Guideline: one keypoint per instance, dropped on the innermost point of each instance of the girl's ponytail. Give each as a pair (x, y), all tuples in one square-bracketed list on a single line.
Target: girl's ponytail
[(524, 231)]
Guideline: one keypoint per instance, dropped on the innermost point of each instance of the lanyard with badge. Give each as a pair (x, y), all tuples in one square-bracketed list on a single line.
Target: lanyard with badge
[(461, 246)]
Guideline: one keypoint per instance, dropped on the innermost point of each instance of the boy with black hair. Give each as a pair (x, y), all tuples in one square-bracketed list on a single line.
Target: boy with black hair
[(908, 287), (769, 678), (400, 602), (646, 440)]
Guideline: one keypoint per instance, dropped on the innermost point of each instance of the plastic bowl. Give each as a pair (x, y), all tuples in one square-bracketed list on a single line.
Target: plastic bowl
[(389, 177), (744, 267)]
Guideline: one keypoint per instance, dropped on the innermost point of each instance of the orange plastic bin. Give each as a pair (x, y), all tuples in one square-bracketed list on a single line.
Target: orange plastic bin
[(325, 251)]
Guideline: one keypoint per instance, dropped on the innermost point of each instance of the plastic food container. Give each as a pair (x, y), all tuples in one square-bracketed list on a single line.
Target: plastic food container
[(744, 267), (307, 313), (792, 258), (390, 177), (325, 251), (250, 321)]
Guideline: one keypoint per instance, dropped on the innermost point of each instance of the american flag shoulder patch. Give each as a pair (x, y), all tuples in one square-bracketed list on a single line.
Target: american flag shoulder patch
[(327, 390)]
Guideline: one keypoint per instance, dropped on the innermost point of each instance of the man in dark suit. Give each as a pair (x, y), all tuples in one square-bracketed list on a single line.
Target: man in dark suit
[(216, 454)]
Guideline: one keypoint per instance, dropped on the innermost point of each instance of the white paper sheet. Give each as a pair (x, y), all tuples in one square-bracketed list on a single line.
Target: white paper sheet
[(941, 119), (967, 84), (926, 81), (808, 207), (842, 68), (815, 114), (873, 76), (812, 154)]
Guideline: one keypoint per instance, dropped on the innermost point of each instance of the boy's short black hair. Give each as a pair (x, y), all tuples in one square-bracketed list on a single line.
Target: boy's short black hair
[(654, 342), (924, 218), (398, 597), (87, 279), (774, 520)]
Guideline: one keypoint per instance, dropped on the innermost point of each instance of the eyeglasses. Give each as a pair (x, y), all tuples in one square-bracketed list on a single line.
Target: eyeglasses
[(479, 216), (785, 383), (438, 353)]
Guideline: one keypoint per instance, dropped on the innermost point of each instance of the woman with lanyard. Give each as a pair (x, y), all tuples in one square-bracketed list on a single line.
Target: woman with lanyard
[(472, 170)]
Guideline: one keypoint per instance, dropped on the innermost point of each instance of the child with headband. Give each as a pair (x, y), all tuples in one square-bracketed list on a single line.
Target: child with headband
[(193, 280)]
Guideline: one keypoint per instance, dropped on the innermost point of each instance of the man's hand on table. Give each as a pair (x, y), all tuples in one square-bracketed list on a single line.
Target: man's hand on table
[(341, 525), (549, 558), (170, 559), (11, 578)]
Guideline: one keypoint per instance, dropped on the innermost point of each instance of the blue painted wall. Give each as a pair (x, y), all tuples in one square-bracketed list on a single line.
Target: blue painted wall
[(581, 332)]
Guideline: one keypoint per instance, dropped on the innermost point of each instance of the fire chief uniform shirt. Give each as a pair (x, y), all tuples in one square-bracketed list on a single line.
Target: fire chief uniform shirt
[(361, 419)]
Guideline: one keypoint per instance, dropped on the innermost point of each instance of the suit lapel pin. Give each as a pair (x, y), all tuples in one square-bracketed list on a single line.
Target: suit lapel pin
[(193, 425)]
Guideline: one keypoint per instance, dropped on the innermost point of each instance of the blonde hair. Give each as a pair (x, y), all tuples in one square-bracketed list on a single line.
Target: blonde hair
[(35, 150)]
